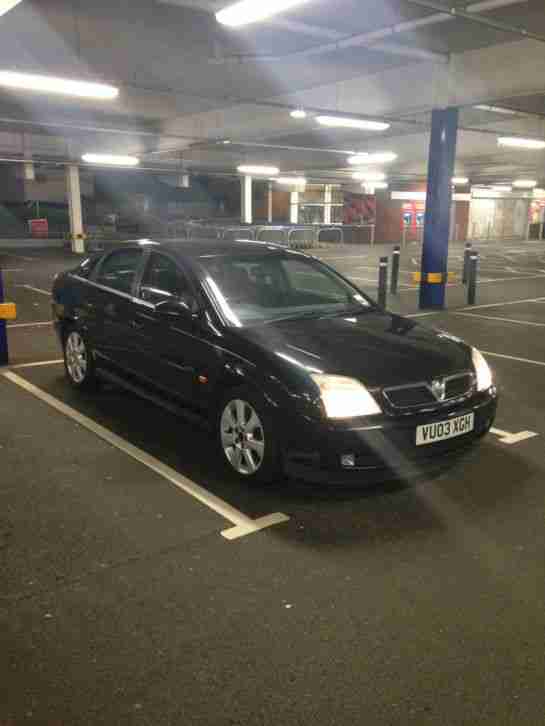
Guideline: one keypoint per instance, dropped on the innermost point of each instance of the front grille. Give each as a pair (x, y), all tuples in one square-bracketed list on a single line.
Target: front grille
[(421, 395), (410, 396), (459, 385)]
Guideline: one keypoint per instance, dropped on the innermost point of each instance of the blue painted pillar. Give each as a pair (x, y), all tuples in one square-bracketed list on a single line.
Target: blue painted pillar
[(444, 130), (3, 331)]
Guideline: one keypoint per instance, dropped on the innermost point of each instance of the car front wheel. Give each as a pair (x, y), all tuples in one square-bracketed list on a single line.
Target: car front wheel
[(247, 438), (78, 361)]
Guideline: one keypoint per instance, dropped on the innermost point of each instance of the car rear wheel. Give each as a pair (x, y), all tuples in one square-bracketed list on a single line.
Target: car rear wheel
[(247, 438), (78, 361)]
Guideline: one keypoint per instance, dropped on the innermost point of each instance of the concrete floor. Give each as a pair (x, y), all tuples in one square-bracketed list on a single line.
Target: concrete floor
[(123, 604)]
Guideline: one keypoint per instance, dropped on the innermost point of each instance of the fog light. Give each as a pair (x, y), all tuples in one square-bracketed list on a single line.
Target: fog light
[(348, 460)]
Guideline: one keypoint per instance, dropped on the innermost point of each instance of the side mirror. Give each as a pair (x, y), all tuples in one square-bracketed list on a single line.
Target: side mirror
[(178, 307)]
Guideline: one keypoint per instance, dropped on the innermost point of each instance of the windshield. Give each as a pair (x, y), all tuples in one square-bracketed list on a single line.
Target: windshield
[(262, 288)]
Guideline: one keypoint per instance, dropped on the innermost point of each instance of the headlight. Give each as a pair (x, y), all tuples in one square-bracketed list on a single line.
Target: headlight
[(482, 369), (344, 397)]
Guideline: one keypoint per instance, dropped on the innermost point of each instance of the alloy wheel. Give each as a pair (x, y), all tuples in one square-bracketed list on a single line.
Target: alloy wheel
[(242, 437), (76, 357)]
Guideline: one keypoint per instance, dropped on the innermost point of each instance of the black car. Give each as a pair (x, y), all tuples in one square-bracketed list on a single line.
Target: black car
[(291, 365)]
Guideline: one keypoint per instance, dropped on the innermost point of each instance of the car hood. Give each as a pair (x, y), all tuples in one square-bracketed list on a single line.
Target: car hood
[(375, 347)]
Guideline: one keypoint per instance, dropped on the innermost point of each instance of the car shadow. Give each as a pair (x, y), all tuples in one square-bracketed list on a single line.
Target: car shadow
[(487, 478)]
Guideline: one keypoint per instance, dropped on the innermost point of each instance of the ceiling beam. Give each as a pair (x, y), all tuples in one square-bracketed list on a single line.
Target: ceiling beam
[(471, 13), (338, 40)]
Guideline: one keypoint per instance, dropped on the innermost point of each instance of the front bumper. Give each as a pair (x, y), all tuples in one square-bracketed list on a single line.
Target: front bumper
[(384, 447)]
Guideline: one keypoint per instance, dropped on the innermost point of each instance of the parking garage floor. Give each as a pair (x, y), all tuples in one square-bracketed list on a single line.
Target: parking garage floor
[(123, 603)]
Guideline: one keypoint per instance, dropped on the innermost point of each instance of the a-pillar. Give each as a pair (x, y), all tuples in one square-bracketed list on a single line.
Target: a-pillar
[(294, 207), (444, 130), (327, 201), (246, 201), (74, 209)]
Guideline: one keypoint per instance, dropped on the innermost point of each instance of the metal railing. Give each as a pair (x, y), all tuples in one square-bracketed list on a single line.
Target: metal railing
[(292, 235)]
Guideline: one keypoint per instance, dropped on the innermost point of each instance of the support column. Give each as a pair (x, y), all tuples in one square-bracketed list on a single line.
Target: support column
[(4, 360), (246, 200), (444, 129), (327, 200), (74, 209), (294, 207), (270, 203)]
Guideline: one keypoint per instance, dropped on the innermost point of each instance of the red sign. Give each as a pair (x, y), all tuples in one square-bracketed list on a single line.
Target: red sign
[(39, 228)]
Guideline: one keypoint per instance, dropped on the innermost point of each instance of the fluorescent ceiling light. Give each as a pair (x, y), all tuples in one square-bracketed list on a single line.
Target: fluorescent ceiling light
[(525, 183), (496, 109), (252, 11), (298, 113), (61, 86), (519, 143), (110, 159), (502, 188), (299, 181), (460, 180), (261, 170), (7, 5), (380, 157), (369, 176), (376, 185), (352, 123)]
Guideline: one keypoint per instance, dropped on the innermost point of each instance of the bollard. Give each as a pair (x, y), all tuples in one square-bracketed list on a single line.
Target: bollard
[(382, 281), (467, 253), (472, 278), (3, 332), (395, 270)]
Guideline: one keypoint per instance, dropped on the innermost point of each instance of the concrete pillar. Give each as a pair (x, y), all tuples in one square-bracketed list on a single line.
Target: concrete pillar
[(327, 199), (246, 201), (74, 209), (270, 203), (4, 358), (444, 131), (294, 207)]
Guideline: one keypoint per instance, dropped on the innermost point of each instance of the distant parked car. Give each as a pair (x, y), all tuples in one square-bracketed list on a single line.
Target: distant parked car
[(291, 365)]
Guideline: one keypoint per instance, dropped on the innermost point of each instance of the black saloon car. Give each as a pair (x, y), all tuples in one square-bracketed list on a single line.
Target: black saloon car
[(291, 365)]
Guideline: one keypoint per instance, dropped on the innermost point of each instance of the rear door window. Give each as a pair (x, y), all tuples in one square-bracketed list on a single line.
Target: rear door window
[(118, 271)]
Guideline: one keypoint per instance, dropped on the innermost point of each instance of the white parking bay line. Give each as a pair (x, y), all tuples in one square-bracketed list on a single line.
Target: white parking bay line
[(509, 302), (508, 438), (37, 364), (35, 289), (18, 257), (502, 320), (515, 358), (243, 525), (29, 325)]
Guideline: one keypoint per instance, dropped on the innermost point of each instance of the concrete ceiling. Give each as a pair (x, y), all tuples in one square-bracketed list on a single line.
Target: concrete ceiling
[(187, 83)]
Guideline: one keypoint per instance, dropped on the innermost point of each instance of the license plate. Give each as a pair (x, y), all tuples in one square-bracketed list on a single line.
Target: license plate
[(443, 430)]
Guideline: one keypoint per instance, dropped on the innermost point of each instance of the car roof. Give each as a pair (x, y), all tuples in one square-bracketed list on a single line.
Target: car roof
[(194, 249)]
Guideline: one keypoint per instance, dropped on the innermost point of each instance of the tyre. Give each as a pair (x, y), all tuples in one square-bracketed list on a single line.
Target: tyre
[(246, 437), (78, 360)]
